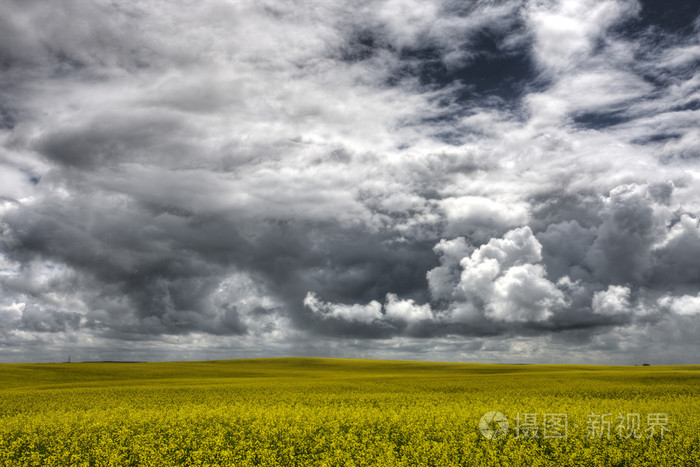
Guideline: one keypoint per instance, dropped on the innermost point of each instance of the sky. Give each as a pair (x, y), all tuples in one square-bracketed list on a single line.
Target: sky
[(484, 181)]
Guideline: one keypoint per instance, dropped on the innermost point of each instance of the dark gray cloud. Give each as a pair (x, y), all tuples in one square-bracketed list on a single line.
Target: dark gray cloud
[(482, 181)]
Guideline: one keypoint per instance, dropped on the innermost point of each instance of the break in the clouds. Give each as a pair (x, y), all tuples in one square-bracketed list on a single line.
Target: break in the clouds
[(435, 179)]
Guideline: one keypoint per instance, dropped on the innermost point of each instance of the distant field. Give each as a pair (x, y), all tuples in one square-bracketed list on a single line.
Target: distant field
[(307, 411)]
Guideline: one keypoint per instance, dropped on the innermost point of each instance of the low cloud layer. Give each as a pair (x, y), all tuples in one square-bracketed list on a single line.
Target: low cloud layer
[(507, 181)]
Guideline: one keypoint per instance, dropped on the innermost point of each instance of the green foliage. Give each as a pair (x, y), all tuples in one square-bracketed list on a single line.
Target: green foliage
[(301, 411)]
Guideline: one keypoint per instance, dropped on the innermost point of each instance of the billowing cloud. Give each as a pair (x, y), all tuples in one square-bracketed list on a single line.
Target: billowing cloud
[(406, 310), (685, 305), (439, 179), (523, 293), (361, 313), (614, 300)]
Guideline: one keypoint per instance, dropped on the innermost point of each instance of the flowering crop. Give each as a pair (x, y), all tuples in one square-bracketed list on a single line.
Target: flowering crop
[(345, 412)]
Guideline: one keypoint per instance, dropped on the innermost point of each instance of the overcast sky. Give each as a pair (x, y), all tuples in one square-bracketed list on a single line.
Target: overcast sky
[(495, 181)]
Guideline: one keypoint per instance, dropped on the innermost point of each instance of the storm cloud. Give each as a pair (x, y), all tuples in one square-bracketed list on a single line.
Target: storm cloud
[(483, 181)]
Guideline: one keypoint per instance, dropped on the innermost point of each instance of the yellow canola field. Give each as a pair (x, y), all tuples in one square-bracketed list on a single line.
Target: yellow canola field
[(308, 411)]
